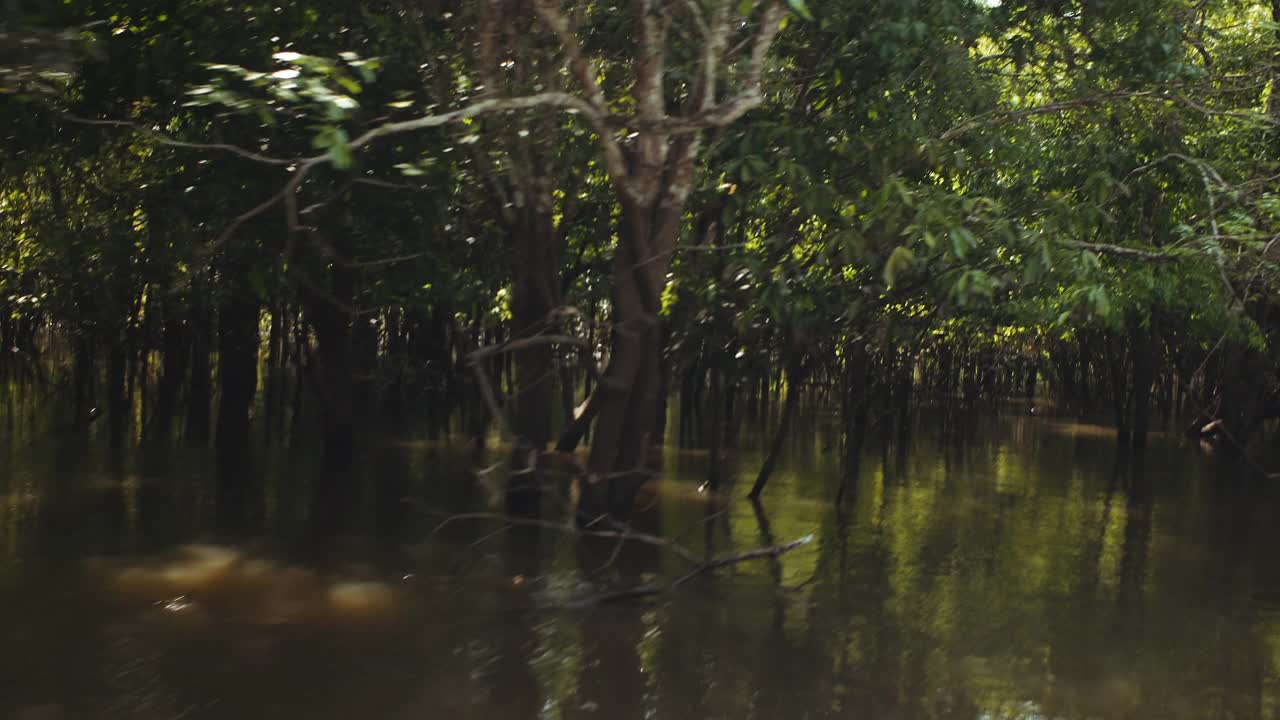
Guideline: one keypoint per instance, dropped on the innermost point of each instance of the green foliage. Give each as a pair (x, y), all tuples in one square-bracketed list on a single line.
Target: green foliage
[(1015, 175)]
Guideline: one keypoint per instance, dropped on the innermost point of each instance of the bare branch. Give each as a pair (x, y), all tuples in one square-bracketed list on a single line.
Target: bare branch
[(483, 107), (748, 96), (769, 552), (486, 392), (715, 37), (770, 25), (650, 590), (163, 139), (1117, 250), (553, 16), (524, 343), (625, 532)]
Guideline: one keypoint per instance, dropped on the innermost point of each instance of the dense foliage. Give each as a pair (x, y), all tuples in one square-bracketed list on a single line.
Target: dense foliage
[(433, 212)]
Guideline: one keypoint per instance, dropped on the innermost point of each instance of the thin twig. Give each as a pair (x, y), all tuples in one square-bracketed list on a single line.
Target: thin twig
[(650, 590), (565, 527)]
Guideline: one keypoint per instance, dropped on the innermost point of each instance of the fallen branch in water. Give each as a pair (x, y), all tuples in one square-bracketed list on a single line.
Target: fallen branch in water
[(641, 591), (769, 552), (623, 533)]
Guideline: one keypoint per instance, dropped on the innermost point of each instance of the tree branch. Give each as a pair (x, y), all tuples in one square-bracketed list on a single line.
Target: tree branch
[(1117, 250), (650, 590), (999, 118), (553, 16), (163, 139), (524, 343)]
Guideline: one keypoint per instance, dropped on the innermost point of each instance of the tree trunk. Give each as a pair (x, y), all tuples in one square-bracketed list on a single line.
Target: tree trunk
[(1242, 400), (795, 374), (237, 360), (536, 248), (273, 390), (117, 394), (198, 388), (175, 347), (716, 431), (628, 392), (534, 242), (1144, 371)]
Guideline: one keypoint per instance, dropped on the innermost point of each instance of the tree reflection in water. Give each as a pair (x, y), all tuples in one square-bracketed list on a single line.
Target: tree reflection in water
[(1030, 572)]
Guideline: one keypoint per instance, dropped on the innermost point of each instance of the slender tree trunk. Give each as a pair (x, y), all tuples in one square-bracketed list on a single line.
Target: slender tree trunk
[(273, 389), (716, 431), (117, 394), (175, 347), (795, 375), (237, 368), (536, 245), (1144, 369), (336, 370), (198, 388)]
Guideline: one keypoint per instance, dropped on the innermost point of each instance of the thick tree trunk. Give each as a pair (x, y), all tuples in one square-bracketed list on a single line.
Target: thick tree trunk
[(534, 242), (628, 392)]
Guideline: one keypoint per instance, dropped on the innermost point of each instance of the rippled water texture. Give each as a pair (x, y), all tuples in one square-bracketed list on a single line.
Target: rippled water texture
[(1021, 569)]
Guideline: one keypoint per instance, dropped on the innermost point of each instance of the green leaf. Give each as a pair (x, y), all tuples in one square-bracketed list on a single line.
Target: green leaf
[(961, 241), (746, 6), (340, 155), (899, 261), (800, 8)]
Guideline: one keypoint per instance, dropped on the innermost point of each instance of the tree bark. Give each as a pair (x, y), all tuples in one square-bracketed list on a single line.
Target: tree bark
[(628, 391)]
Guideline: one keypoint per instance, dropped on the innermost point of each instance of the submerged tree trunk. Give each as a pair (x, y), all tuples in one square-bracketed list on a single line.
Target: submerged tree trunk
[(535, 243), (1146, 343), (1242, 400), (628, 392), (795, 374)]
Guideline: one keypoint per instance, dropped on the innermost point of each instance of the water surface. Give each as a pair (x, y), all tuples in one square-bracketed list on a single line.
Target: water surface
[(1018, 568)]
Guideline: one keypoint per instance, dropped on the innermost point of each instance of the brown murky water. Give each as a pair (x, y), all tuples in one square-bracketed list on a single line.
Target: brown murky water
[(1020, 571)]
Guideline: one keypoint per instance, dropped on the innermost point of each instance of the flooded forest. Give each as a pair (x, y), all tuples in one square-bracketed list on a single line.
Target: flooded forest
[(662, 359)]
